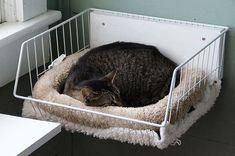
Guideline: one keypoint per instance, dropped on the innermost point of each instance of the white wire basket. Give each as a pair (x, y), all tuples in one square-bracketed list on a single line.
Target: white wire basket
[(193, 46)]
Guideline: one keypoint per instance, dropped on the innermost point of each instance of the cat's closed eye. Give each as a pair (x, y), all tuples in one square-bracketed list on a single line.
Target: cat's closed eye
[(92, 96)]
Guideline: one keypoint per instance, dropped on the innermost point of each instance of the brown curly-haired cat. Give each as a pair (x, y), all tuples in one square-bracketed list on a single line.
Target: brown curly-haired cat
[(122, 74)]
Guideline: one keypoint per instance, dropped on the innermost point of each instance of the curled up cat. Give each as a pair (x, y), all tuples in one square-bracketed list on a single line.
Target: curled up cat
[(120, 74)]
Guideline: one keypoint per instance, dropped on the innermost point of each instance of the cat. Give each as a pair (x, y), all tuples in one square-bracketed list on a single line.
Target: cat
[(120, 74)]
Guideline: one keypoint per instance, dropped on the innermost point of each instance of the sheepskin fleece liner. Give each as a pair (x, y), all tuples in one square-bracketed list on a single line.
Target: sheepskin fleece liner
[(168, 134), (48, 85)]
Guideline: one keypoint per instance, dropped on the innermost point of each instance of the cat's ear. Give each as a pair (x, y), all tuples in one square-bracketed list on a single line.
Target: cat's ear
[(110, 76)]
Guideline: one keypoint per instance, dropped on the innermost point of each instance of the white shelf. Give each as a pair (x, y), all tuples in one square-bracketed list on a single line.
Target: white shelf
[(22, 136)]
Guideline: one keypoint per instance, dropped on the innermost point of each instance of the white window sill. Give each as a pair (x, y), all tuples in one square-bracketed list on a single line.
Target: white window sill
[(10, 31)]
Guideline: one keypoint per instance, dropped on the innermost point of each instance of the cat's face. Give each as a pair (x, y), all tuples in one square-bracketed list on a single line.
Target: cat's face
[(95, 92)]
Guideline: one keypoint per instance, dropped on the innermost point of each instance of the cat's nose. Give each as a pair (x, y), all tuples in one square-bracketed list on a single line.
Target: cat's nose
[(87, 99)]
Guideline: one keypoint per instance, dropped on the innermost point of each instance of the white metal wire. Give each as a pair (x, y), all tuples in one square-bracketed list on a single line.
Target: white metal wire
[(65, 51), (73, 35)]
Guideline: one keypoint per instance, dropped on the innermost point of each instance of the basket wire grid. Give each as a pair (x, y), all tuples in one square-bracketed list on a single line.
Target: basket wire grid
[(73, 35)]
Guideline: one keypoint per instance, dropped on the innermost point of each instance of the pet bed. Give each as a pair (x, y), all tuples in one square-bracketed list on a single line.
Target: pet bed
[(166, 136), (48, 86), (199, 53)]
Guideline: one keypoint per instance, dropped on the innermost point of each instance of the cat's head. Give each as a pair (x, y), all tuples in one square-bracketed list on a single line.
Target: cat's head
[(95, 92)]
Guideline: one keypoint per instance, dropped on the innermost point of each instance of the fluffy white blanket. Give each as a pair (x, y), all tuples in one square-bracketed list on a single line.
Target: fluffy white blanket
[(47, 86), (168, 134)]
